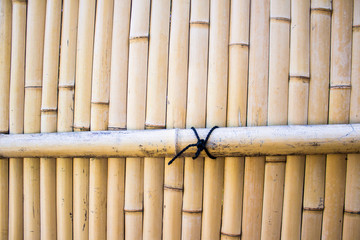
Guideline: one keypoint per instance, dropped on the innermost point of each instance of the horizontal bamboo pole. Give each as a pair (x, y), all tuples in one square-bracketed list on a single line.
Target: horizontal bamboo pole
[(245, 141)]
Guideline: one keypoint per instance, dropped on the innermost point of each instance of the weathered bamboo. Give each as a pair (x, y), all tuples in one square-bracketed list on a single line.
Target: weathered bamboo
[(277, 115), (195, 117), (64, 166), (33, 85), (216, 115), (84, 61), (352, 192), (117, 117), (136, 107), (99, 116), (49, 118), (339, 106), (16, 117), (155, 116), (257, 115), (5, 53), (313, 204), (176, 115), (297, 114)]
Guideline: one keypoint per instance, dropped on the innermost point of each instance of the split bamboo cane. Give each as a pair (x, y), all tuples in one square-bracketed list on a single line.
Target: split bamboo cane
[(195, 117), (5, 53), (236, 116), (64, 166), (117, 117), (313, 204), (277, 115), (257, 115), (16, 117), (84, 61), (339, 106), (33, 86), (297, 114), (99, 116), (155, 116), (49, 118), (136, 107), (352, 192), (176, 116), (216, 115)]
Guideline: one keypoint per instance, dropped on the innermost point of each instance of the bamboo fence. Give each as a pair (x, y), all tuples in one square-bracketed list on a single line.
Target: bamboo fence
[(96, 97)]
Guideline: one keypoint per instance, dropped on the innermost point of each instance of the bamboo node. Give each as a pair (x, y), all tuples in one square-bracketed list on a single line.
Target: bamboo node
[(154, 126), (320, 9), (313, 209), (299, 77), (192, 211), (133, 210), (281, 19), (81, 128), (134, 38), (30, 86), (352, 212), (340, 87), (167, 187), (356, 28), (99, 102), (202, 22), (69, 86), (241, 44), (230, 234), (116, 128), (48, 109)]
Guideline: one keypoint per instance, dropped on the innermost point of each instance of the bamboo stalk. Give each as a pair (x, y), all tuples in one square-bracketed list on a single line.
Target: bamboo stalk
[(5, 53), (216, 115), (176, 115), (277, 115), (313, 203), (65, 117), (117, 117), (155, 116), (49, 118), (195, 117), (16, 117), (99, 116), (257, 115), (339, 106), (297, 114), (352, 194), (84, 61), (33, 87)]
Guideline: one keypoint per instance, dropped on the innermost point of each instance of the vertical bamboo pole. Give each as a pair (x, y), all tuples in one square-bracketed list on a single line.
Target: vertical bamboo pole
[(176, 115), (5, 53), (297, 114), (216, 115), (257, 115), (352, 192), (313, 204), (339, 106), (65, 117), (16, 117), (99, 116), (33, 85), (277, 115), (117, 117), (195, 117), (236, 116), (84, 61), (155, 116), (49, 118), (138, 56)]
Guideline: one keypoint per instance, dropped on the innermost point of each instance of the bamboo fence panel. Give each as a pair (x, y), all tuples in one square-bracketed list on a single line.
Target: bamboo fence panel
[(339, 106), (216, 115), (64, 166), (277, 115), (155, 116), (256, 115), (236, 116), (117, 117), (136, 107), (176, 115), (49, 118), (195, 117), (351, 228), (5, 53), (313, 203), (83, 77), (297, 114), (16, 117), (33, 86)]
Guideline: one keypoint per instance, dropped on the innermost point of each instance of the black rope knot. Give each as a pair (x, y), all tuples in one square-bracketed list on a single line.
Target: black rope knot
[(201, 145)]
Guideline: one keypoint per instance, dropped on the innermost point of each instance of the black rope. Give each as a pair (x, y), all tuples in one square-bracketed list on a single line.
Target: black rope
[(201, 145)]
